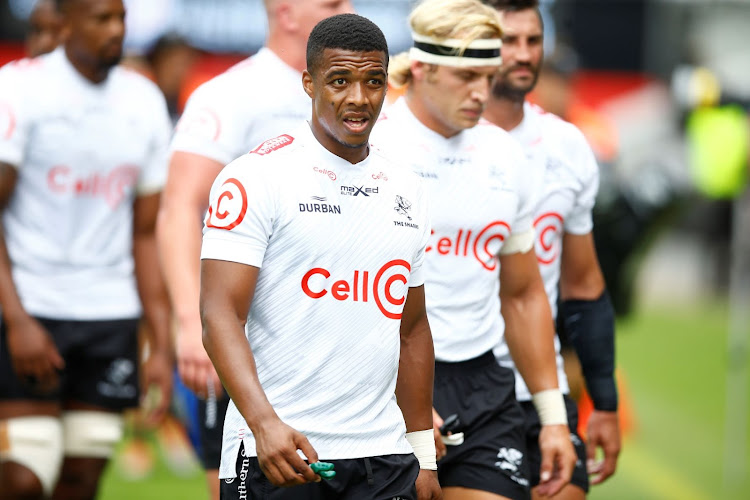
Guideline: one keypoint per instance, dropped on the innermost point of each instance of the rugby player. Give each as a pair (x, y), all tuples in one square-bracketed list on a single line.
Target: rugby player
[(312, 296), (565, 247), (479, 182), (82, 161), (224, 118), (44, 28)]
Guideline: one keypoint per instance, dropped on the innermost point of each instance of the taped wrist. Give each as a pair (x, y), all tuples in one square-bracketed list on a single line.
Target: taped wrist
[(423, 444), (550, 406), (590, 327)]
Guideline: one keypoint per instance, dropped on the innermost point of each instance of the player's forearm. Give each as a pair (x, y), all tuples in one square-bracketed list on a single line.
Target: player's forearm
[(179, 240), (226, 345), (590, 326), (10, 302), (530, 336), (152, 292), (415, 377)]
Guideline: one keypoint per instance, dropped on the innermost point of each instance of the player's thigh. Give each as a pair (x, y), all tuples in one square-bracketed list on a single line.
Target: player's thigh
[(580, 477), (90, 436), (31, 448), (454, 493), (569, 492), (30, 430), (491, 459), (21, 396)]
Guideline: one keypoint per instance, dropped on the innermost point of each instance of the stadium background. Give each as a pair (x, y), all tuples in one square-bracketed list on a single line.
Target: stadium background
[(662, 90)]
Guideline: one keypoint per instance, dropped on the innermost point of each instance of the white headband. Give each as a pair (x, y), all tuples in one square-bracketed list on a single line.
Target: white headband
[(480, 52)]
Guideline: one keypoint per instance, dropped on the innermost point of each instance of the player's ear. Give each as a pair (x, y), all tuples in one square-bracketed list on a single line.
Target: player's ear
[(418, 70), (308, 84), (287, 17), (66, 28)]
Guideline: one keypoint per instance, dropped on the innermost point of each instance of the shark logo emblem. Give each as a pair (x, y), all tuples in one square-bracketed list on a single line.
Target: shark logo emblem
[(403, 206)]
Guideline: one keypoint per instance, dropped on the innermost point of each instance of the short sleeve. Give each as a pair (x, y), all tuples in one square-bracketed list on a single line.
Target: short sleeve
[(527, 175), (580, 219), (242, 208), (15, 117), (210, 125), (416, 277), (154, 174)]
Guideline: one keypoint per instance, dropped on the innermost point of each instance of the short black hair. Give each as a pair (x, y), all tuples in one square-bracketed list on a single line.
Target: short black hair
[(516, 6), (347, 32)]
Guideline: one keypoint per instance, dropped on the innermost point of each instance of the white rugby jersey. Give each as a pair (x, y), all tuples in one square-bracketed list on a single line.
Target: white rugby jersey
[(258, 98), (481, 195), (337, 245), (567, 192), (84, 151)]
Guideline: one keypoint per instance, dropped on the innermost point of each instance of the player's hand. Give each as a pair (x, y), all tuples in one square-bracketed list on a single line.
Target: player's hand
[(440, 447), (558, 459), (276, 445), (428, 487), (156, 386), (34, 354), (603, 432), (193, 364)]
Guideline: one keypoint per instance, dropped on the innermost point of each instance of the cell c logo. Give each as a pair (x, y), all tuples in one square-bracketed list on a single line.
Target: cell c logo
[(492, 232), (230, 206), (548, 229), (484, 246), (387, 289), (394, 271)]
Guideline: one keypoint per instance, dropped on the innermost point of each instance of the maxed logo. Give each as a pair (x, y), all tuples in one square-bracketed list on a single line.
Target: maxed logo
[(387, 288), (548, 228), (356, 191), (483, 246)]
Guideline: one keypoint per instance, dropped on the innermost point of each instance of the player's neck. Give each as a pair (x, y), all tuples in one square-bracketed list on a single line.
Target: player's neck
[(281, 47), (505, 112), (93, 73), (353, 155)]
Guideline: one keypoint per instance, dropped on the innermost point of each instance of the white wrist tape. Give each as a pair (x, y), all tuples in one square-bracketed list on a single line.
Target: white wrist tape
[(423, 444), (519, 242), (550, 406)]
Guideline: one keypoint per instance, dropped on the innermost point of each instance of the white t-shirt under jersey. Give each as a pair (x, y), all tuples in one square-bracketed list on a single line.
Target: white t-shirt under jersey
[(566, 195), (337, 245), (258, 98), (480, 197), (83, 151)]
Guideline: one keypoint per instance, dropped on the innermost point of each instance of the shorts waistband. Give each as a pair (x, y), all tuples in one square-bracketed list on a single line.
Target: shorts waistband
[(462, 367)]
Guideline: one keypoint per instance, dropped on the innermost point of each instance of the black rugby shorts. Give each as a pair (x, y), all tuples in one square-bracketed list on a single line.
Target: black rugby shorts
[(101, 364), (492, 458), (385, 477)]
